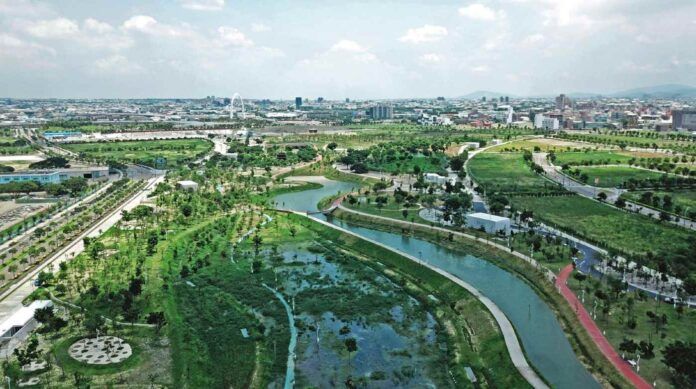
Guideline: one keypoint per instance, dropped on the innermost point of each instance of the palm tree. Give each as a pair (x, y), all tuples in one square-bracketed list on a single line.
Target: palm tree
[(351, 346)]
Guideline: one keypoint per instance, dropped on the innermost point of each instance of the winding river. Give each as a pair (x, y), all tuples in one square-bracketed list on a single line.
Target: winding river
[(539, 331)]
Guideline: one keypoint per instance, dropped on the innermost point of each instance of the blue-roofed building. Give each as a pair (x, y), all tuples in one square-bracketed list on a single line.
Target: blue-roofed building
[(61, 134), (55, 176)]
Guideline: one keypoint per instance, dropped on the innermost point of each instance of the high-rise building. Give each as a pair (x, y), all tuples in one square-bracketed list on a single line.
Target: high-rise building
[(545, 122), (381, 112), (298, 102), (563, 101), (320, 99), (684, 119)]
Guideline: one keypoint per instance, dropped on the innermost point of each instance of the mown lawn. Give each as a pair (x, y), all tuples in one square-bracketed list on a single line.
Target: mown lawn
[(624, 232), (507, 172), (615, 176), (176, 151)]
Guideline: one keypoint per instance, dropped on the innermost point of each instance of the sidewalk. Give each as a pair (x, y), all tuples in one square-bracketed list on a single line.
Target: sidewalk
[(596, 334)]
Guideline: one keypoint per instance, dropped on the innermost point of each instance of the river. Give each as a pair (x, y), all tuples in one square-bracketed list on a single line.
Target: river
[(539, 331)]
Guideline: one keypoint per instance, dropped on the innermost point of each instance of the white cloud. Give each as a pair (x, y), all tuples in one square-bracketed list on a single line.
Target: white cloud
[(54, 28), (148, 25), (13, 47), (348, 45), (259, 27), (478, 11), (203, 5), (117, 64), (97, 26), (427, 33), (531, 40), (234, 37), (431, 58), (480, 69)]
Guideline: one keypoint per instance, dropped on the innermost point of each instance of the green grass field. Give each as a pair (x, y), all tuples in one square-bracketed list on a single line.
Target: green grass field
[(507, 172), (176, 151), (602, 157), (624, 232), (615, 176)]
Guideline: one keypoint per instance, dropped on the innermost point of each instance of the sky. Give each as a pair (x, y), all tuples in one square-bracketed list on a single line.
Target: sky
[(280, 49)]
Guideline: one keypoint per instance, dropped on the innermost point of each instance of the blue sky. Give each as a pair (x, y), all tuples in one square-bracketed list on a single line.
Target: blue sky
[(337, 49)]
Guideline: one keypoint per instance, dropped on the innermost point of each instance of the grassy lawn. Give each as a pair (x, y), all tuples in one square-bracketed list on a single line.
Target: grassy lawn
[(633, 305), (603, 157), (624, 232), (508, 173), (176, 151), (368, 204), (539, 144), (616, 176)]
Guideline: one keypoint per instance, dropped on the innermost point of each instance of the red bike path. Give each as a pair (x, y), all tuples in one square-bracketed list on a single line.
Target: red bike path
[(596, 334)]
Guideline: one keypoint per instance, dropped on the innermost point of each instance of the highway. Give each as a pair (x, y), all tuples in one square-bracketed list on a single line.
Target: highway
[(11, 299)]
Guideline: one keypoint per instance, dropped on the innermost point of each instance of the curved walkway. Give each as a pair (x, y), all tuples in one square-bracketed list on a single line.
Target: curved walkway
[(596, 334), (511, 342), (290, 367)]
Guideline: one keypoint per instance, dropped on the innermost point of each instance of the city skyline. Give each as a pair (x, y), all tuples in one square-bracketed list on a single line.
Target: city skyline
[(194, 48)]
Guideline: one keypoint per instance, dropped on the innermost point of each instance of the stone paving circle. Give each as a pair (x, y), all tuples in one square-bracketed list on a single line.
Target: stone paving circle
[(103, 350)]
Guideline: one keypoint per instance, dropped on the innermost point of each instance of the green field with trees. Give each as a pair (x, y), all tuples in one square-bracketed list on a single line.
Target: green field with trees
[(508, 173), (174, 151), (656, 244)]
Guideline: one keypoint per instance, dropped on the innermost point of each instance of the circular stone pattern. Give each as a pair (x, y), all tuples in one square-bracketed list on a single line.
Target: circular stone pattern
[(103, 350)]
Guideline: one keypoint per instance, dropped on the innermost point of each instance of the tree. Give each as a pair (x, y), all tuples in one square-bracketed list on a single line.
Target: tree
[(457, 163), (620, 203), (158, 319), (404, 213), (602, 196), (332, 146), (257, 243), (293, 231), (351, 347), (680, 357), (94, 322), (29, 353), (44, 278), (186, 210)]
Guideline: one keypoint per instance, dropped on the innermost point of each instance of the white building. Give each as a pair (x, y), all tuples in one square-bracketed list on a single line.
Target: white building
[(492, 224), (545, 122), (434, 178), (17, 327), (188, 185), (472, 145)]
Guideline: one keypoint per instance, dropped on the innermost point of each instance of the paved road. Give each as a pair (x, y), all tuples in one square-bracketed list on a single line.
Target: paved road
[(11, 299), (18, 242), (591, 192), (596, 334), (514, 349)]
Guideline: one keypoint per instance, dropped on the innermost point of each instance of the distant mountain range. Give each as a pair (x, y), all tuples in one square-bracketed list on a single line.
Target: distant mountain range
[(484, 93), (667, 91)]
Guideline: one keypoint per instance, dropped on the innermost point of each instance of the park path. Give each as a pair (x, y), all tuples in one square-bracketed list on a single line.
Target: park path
[(596, 334)]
